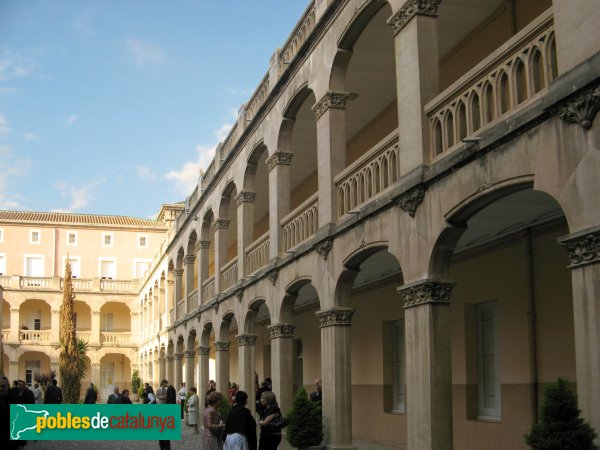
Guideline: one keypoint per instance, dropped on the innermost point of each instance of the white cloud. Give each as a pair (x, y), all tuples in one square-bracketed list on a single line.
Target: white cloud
[(13, 65), (11, 167), (222, 132), (144, 53), (71, 120), (79, 196), (31, 136), (145, 173), (4, 128)]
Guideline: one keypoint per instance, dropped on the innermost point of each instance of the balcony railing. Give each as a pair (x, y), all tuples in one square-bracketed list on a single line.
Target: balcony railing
[(34, 335), (115, 338), (192, 301), (301, 32), (84, 335), (257, 254), (35, 283), (5, 281), (180, 309), (118, 285), (258, 98), (229, 274), (516, 73), (301, 223), (172, 316), (369, 175), (208, 289)]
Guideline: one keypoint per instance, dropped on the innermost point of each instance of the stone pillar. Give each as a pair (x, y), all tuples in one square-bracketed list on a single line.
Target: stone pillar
[(155, 372), (246, 355), (170, 294), (162, 371), (13, 371), (282, 363), (336, 354), (222, 365), (417, 77), (178, 289), (189, 276), (189, 368), (279, 198), (203, 356), (584, 256), (170, 373), (95, 337), (162, 307), (54, 366), (178, 375), (95, 375), (428, 364), (203, 257), (330, 115), (55, 327), (221, 227), (15, 326), (245, 232), (135, 323)]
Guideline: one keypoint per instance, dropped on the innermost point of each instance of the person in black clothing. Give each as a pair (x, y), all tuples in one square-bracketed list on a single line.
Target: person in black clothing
[(265, 386), (53, 393), (115, 398), (5, 401), (269, 437), (171, 398), (24, 394), (240, 422), (317, 396), (145, 393), (125, 400), (90, 395)]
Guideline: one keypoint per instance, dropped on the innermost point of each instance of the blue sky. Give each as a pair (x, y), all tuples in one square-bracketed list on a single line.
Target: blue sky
[(111, 106)]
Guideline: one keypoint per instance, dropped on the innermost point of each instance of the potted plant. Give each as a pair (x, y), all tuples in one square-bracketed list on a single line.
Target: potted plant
[(305, 426), (560, 426), (136, 382)]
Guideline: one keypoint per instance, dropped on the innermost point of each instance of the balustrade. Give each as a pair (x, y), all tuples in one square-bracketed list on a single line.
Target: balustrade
[(84, 335), (229, 274), (258, 98), (257, 253), (299, 35), (118, 338), (34, 335), (301, 223), (192, 301), (35, 282), (5, 281), (208, 289), (181, 310)]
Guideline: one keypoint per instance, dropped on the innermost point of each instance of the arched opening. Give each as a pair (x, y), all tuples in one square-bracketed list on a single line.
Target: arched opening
[(475, 113), (228, 245), (207, 251), (503, 92), (35, 321), (520, 80), (115, 324), (115, 371), (32, 364)]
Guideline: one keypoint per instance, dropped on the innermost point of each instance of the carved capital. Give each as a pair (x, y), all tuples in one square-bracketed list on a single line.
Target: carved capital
[(56, 311), (277, 158), (178, 272), (169, 359), (273, 275), (335, 317), (410, 10), (222, 346), (331, 99), (204, 245), (281, 330), (16, 310), (426, 291), (161, 359), (245, 197), (203, 351), (189, 354), (583, 247), (582, 108), (221, 224), (246, 340), (189, 259), (161, 291), (95, 366), (410, 200), (178, 356), (324, 247), (197, 246), (95, 313), (170, 282)]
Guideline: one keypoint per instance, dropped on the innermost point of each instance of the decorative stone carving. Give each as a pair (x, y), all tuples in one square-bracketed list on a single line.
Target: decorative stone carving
[(239, 294), (189, 353), (331, 100), (281, 330), (178, 356), (324, 247), (221, 224), (583, 247), (169, 359), (57, 311), (582, 108), (189, 259), (197, 246), (245, 197), (427, 291), (410, 200), (222, 346), (170, 282), (204, 245), (411, 9), (335, 317), (203, 351), (273, 275), (246, 339), (161, 359), (277, 158), (162, 291), (178, 272)]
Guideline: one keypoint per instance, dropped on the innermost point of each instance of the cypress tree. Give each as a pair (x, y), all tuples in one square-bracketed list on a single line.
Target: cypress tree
[(69, 361), (560, 427), (305, 427)]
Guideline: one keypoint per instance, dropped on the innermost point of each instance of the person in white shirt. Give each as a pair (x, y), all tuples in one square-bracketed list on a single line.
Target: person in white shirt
[(181, 397), (37, 393)]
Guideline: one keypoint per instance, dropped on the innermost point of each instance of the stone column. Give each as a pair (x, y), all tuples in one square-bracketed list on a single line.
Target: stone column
[(246, 355), (245, 232), (170, 372), (54, 366), (189, 277), (170, 294), (222, 365), (95, 376), (178, 375), (282, 363), (203, 356), (330, 115), (417, 77), (162, 370), (279, 198), (428, 364), (336, 354), (221, 227), (13, 371), (155, 372), (178, 289), (15, 326), (584, 256), (95, 337), (189, 368), (55, 327), (135, 330), (162, 307), (203, 257)]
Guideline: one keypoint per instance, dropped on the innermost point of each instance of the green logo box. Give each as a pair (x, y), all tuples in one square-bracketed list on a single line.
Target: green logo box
[(68, 422)]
